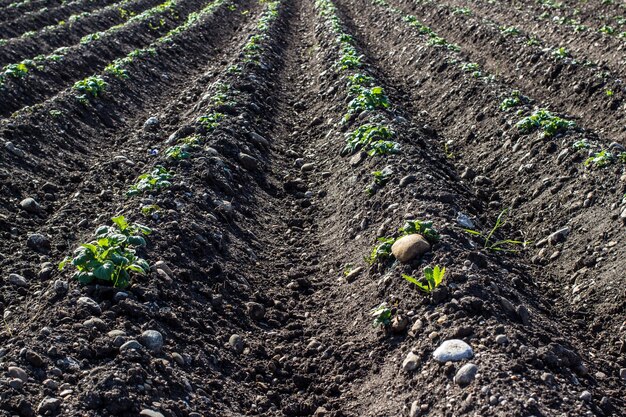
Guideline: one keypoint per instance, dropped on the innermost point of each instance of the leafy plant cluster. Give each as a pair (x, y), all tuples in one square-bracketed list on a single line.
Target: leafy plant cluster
[(92, 86), (382, 251), (111, 256), (381, 178), (516, 99), (545, 121), (155, 180), (373, 138)]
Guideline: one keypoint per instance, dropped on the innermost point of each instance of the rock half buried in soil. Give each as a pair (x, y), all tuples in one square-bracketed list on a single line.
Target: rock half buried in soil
[(453, 350), (410, 247)]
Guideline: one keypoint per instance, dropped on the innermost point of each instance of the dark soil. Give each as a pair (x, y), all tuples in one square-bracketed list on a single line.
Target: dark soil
[(253, 238)]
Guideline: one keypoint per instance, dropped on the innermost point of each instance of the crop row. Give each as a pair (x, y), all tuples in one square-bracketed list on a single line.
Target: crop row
[(575, 84), (28, 78), (34, 20), (14, 9), (530, 118), (593, 42), (112, 256), (69, 31)]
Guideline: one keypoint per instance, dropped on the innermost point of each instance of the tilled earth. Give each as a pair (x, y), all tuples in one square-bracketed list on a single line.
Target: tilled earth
[(259, 300)]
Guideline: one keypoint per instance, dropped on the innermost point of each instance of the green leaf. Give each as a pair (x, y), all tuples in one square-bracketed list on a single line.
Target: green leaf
[(137, 268), (118, 259), (136, 241), (121, 222), (102, 230), (63, 263), (438, 274), (84, 277), (105, 271)]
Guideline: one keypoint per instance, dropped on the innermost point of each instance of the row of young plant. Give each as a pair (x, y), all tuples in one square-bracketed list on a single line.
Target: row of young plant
[(111, 257), (368, 101), (22, 69), (559, 53), (530, 119), (33, 20), (124, 8), (617, 27)]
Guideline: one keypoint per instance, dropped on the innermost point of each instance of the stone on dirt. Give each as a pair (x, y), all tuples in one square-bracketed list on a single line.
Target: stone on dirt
[(150, 413), (48, 406), (17, 372), (410, 247), (236, 342), (17, 280), (411, 362), (453, 350), (30, 205), (90, 305), (152, 339), (466, 374)]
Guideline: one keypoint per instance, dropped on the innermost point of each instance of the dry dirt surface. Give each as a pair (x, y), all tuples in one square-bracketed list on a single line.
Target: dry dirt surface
[(312, 208)]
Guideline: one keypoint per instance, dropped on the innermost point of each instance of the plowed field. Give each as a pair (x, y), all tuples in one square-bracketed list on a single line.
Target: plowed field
[(296, 208)]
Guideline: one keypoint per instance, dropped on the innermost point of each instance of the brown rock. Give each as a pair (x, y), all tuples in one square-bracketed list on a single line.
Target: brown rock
[(410, 247)]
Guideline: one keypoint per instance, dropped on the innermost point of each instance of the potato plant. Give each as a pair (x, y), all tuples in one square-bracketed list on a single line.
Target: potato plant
[(111, 256), (155, 180)]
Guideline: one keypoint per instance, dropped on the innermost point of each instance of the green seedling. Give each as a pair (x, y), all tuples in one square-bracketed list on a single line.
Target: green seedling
[(178, 152), (16, 70), (234, 69), (545, 121), (357, 82), (473, 68), (150, 210), (116, 69), (421, 227), (496, 245), (210, 121), (464, 11), (91, 37), (515, 100), (382, 251), (607, 30), (609, 93), (561, 53), (111, 256), (383, 147), (509, 31), (380, 180), (367, 99), (382, 316), (156, 180), (421, 28), (363, 136), (581, 144), (431, 279), (601, 159), (350, 58), (91, 86)]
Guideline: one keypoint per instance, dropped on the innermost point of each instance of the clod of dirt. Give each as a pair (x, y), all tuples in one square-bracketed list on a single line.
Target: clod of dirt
[(410, 247)]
